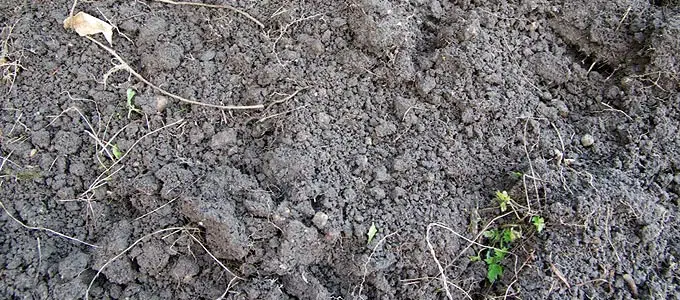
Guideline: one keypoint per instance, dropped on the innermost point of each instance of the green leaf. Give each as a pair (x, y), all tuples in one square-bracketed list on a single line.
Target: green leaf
[(510, 235), (475, 258), (130, 95), (494, 235), (538, 222), (131, 103), (116, 152), (503, 198), (516, 174), (494, 271), (371, 232), (500, 254)]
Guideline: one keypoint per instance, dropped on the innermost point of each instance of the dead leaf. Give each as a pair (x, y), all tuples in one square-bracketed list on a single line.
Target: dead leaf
[(85, 24)]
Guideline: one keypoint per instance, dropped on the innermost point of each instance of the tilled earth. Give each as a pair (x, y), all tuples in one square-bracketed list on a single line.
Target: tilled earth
[(400, 116)]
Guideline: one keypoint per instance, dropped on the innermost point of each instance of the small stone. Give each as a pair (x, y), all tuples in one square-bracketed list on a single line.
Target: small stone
[(631, 284), (426, 84), (377, 193), (223, 139), (161, 103), (320, 220), (587, 140), (649, 233)]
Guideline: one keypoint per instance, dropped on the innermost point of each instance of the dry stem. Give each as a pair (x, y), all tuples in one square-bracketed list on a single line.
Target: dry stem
[(101, 179), (39, 228), (125, 66), (173, 230), (229, 7), (363, 278)]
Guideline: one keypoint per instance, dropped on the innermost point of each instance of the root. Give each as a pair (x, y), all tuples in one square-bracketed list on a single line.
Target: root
[(363, 278), (442, 272), (125, 66), (38, 228), (103, 178), (284, 29), (10, 63), (229, 7), (186, 230)]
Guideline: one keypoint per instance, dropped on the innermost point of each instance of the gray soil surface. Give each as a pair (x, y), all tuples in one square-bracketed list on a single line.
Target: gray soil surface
[(406, 115)]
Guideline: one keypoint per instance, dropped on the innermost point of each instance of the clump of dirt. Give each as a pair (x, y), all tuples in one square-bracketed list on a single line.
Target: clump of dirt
[(405, 117)]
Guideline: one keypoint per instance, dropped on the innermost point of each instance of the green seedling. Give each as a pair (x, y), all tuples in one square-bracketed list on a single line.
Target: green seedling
[(516, 174), (538, 222), (116, 152), (503, 199), (371, 232), (131, 103), (493, 263)]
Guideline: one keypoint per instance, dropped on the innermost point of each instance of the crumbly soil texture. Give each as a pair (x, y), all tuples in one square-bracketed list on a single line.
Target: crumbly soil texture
[(401, 116)]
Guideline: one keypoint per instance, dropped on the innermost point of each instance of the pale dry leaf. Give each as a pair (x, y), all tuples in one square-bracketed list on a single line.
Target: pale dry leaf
[(85, 24)]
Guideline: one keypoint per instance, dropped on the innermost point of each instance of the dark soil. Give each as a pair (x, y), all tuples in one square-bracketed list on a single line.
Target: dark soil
[(408, 113)]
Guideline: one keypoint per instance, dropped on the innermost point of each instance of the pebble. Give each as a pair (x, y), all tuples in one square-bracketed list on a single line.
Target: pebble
[(320, 220), (161, 103), (587, 140), (631, 284)]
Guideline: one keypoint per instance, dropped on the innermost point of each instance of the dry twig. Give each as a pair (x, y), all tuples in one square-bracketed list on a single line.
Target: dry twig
[(38, 228), (125, 66), (368, 260), (229, 7)]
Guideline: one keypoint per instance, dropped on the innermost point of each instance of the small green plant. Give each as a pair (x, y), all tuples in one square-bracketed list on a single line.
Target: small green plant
[(499, 240), (131, 103), (371, 232), (516, 174), (503, 199), (493, 262), (116, 152), (538, 222)]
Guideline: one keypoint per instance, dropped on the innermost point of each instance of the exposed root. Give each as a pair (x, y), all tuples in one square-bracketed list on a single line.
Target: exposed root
[(229, 7), (103, 178), (38, 228), (363, 278), (284, 29), (471, 242), (10, 63), (125, 66), (173, 230)]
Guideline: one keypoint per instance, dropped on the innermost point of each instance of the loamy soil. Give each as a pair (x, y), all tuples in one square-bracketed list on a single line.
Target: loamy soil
[(405, 115)]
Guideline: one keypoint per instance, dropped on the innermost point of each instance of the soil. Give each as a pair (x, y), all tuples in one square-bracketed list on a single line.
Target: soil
[(397, 114)]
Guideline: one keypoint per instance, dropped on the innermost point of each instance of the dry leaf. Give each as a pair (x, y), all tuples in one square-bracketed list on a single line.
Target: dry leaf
[(85, 24)]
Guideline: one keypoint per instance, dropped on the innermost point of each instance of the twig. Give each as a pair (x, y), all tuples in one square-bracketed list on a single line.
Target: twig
[(229, 7), (87, 292), (284, 99), (101, 180), (375, 248), (625, 15), (125, 66), (39, 228), (155, 210)]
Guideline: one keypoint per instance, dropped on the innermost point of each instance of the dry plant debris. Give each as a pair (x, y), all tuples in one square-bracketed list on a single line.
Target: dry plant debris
[(85, 25)]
